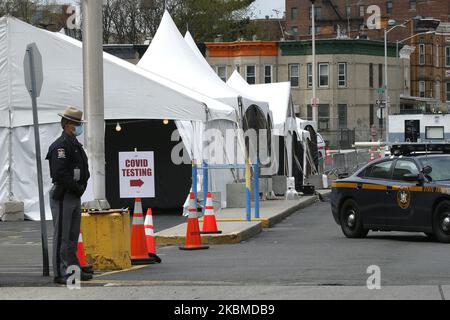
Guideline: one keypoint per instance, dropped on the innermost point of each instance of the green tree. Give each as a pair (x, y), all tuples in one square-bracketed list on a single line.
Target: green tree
[(208, 19)]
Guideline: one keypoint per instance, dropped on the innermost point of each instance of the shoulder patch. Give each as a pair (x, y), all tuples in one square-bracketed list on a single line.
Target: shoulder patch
[(61, 154)]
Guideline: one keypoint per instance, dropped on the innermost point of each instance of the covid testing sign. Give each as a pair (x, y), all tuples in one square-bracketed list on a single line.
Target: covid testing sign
[(137, 174)]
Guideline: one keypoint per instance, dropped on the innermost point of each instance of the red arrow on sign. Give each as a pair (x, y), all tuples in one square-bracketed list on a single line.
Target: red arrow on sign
[(136, 183)]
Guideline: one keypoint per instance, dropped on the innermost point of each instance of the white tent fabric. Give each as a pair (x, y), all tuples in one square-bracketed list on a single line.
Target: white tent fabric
[(4, 193), (130, 92), (152, 96), (278, 96), (170, 56)]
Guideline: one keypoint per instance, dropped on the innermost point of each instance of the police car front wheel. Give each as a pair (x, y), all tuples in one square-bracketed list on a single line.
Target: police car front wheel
[(441, 222), (351, 221)]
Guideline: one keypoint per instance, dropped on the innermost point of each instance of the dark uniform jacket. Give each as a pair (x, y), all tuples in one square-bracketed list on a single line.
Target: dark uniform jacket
[(68, 166)]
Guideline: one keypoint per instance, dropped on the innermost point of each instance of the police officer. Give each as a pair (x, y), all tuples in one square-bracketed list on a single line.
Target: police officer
[(70, 173)]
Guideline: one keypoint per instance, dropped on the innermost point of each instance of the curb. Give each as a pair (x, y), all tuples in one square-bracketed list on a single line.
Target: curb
[(229, 238), (239, 236)]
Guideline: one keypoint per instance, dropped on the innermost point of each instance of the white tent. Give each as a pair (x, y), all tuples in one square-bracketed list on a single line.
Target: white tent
[(130, 92), (169, 55), (278, 96)]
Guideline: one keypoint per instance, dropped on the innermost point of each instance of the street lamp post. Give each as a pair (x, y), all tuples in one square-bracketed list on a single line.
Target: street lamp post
[(386, 80), (314, 106)]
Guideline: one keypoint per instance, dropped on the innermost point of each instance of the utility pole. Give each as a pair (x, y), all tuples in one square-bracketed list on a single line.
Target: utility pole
[(94, 99)]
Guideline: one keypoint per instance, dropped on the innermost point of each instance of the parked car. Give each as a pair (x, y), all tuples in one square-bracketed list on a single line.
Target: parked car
[(321, 146), (408, 191)]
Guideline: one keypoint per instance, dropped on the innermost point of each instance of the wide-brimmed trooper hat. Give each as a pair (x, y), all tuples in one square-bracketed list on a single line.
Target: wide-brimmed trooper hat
[(72, 114)]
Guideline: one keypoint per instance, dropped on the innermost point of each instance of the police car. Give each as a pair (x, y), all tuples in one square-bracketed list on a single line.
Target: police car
[(407, 191)]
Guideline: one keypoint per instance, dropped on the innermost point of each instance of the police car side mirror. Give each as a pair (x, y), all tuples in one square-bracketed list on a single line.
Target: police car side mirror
[(412, 177), (427, 170)]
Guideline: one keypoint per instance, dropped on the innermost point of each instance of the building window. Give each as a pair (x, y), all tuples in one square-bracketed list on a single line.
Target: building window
[(268, 71), (380, 75), (342, 75), (324, 117), (250, 74), (238, 68), (317, 12), (371, 114), (447, 56), (348, 10), (437, 56), (324, 75), (412, 4), (371, 75), (422, 89), (317, 30), (309, 112), (437, 90), (362, 11), (309, 75), (431, 55), (342, 116), (389, 6), (294, 75), (422, 54), (294, 13), (222, 73), (294, 31), (448, 92), (434, 133)]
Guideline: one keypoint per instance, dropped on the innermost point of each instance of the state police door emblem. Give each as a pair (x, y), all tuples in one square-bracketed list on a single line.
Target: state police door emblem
[(404, 198)]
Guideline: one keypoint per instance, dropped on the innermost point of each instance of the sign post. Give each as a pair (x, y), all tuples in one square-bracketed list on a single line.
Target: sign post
[(136, 172), (32, 66)]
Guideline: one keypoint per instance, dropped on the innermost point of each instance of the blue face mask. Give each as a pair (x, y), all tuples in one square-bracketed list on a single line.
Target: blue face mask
[(78, 130)]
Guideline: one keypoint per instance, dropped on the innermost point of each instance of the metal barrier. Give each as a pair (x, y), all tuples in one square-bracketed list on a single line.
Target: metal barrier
[(346, 161), (248, 167)]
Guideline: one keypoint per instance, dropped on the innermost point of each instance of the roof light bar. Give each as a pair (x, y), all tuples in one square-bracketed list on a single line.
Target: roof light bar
[(413, 148)]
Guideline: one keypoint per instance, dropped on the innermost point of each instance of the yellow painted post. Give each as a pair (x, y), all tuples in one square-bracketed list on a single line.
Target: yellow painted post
[(106, 238)]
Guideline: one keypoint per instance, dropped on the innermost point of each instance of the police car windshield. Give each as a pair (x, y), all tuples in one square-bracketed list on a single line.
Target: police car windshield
[(440, 165)]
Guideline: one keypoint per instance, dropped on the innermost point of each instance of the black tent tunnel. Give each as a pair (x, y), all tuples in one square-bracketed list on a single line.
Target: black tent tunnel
[(172, 182), (297, 161), (313, 149), (255, 119)]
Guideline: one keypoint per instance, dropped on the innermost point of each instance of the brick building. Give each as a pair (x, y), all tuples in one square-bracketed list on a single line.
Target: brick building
[(349, 75), (350, 16), (430, 61)]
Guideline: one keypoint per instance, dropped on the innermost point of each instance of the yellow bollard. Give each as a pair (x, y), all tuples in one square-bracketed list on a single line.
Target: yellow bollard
[(106, 238)]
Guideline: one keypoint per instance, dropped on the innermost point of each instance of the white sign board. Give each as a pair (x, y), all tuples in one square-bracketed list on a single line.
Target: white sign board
[(137, 174)]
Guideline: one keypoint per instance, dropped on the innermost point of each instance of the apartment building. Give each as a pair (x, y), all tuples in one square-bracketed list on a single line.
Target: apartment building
[(350, 74)]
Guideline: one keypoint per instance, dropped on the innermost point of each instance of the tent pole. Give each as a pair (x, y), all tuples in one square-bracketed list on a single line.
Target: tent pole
[(10, 178)]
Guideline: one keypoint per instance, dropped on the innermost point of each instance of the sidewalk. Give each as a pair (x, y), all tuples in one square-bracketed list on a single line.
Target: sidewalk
[(234, 225)]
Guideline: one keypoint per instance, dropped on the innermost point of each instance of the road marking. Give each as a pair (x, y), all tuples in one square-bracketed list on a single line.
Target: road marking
[(129, 283), (121, 271)]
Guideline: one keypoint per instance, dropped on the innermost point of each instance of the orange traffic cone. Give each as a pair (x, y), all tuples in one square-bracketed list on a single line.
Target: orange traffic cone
[(193, 238), (85, 267), (209, 220), (372, 155), (139, 253), (328, 159), (150, 236)]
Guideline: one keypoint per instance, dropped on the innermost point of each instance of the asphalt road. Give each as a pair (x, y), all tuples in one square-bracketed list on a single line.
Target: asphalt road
[(304, 254)]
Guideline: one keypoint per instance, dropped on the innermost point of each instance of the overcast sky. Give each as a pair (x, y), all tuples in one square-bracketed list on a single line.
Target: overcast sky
[(265, 8)]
